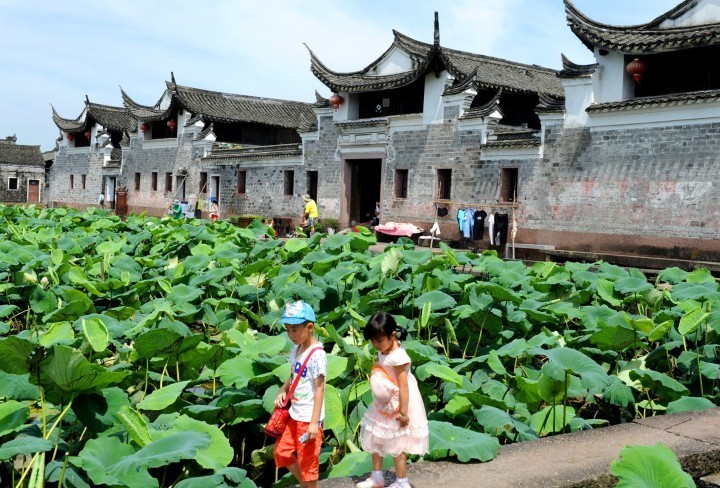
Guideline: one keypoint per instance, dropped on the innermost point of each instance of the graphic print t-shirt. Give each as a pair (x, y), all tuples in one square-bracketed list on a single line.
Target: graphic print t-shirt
[(303, 399)]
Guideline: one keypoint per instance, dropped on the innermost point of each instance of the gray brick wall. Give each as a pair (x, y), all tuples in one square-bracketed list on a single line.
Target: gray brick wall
[(646, 182)]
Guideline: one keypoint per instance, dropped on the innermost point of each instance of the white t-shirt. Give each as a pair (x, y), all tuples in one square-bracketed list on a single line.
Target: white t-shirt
[(303, 400)]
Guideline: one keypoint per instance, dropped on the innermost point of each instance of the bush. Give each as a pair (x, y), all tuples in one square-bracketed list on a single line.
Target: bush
[(325, 224)]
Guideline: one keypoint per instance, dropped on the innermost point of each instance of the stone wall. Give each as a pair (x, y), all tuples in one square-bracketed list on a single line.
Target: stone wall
[(23, 175), (76, 162), (646, 182), (321, 155)]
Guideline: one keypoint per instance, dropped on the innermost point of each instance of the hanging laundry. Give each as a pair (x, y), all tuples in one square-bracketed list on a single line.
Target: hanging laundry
[(491, 228), (479, 224)]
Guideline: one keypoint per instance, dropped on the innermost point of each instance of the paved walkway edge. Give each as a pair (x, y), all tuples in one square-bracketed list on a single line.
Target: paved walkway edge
[(577, 460)]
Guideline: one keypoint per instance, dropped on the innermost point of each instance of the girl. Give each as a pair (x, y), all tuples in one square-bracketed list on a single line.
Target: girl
[(395, 423)]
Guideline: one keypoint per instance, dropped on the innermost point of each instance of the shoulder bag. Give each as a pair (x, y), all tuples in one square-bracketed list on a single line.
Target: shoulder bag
[(280, 416)]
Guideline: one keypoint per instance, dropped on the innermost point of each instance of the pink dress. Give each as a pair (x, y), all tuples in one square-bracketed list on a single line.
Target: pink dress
[(380, 431)]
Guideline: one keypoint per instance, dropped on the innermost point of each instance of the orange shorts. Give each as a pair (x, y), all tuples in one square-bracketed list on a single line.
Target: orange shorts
[(288, 450)]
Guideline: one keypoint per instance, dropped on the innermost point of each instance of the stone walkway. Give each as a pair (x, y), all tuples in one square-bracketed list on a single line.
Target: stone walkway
[(580, 459)]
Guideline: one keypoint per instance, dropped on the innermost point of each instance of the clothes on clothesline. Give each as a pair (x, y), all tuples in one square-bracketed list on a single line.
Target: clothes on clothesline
[(479, 224), (466, 221), (501, 228)]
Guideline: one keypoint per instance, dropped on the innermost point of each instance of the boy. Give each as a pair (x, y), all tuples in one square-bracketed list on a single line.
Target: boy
[(307, 407)]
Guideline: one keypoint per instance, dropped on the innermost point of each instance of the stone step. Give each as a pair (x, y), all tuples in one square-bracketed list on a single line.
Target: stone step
[(712, 481)]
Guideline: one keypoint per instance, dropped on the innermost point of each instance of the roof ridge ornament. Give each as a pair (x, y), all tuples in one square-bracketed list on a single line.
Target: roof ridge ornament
[(436, 33)]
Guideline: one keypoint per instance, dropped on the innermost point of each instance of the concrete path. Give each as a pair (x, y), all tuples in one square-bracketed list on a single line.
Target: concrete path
[(577, 460)]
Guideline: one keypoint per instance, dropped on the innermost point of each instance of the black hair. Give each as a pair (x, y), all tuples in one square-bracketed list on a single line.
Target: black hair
[(383, 324)]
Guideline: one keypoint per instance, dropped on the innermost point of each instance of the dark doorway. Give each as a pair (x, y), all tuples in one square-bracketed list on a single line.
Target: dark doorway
[(364, 189), (312, 184)]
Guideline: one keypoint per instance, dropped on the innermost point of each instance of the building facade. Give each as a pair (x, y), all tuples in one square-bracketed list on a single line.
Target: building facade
[(620, 156), (22, 172)]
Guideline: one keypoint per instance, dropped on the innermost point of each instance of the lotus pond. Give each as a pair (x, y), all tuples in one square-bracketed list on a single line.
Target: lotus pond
[(147, 353)]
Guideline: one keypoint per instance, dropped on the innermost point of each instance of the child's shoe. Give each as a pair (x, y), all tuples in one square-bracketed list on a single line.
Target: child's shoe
[(404, 483), (371, 482)]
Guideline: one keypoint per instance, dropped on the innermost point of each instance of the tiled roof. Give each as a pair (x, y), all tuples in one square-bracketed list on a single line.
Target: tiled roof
[(226, 107), (374, 122), (21, 155), (320, 101), (550, 104), (572, 70), (112, 118), (215, 106), (142, 112), (490, 72), (642, 38), (513, 144), (252, 152), (690, 98), (484, 110), (205, 132)]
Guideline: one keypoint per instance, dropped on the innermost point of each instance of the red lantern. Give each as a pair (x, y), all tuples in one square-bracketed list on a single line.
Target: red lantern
[(144, 128), (70, 137), (336, 100), (172, 124), (88, 134), (637, 69)]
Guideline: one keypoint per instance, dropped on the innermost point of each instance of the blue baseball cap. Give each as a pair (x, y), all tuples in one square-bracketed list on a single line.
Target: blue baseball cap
[(297, 313)]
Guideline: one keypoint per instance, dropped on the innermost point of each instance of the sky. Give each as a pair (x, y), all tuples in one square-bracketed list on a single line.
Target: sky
[(58, 52)]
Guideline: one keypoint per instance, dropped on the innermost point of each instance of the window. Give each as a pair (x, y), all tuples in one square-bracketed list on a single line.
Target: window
[(289, 180), (83, 178), (168, 181), (401, 183), (241, 179), (72, 181), (13, 183), (203, 182), (444, 179), (508, 184), (137, 181), (153, 181)]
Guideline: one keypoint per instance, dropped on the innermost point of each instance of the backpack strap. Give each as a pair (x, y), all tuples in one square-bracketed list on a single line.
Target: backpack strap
[(296, 380)]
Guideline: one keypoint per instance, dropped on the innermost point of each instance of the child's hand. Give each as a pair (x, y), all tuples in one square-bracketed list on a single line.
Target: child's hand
[(280, 399), (313, 430), (403, 419)]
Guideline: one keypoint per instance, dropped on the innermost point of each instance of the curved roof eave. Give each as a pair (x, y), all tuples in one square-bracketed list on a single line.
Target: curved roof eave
[(144, 112), (641, 38), (70, 125)]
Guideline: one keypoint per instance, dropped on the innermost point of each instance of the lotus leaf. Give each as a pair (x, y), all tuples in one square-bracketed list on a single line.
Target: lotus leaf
[(649, 467), (464, 443)]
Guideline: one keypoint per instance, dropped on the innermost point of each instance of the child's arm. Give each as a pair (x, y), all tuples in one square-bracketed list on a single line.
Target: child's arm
[(313, 428), (280, 398), (401, 375)]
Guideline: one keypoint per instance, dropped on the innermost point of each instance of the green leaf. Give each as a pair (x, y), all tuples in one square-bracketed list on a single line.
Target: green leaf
[(606, 291), (356, 464), (437, 299), (18, 387), (691, 321), (24, 445), (219, 452), (99, 454), (334, 413), (70, 371), (135, 424), (686, 404), (649, 467), (162, 398), (496, 422), (551, 420), (660, 331), (58, 333), (172, 448), (565, 360), (466, 444), (295, 245), (390, 261), (618, 393), (184, 294), (14, 354), (96, 334), (12, 415), (662, 385), (440, 371), (237, 371)]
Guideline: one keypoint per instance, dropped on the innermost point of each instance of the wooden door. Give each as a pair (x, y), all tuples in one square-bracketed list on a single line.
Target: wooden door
[(33, 191)]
